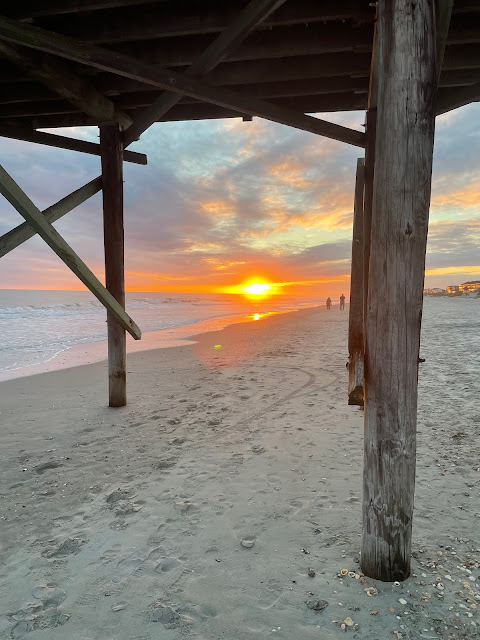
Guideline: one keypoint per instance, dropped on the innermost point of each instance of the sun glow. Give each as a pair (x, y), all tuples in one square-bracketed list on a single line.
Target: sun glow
[(257, 289)]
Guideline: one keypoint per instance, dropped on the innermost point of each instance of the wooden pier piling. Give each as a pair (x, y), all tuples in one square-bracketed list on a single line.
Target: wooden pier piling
[(112, 187), (355, 318), (401, 198)]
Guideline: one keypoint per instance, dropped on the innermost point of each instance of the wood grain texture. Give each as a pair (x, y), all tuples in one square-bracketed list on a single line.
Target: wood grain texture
[(370, 132), (111, 145), (401, 199), (355, 317)]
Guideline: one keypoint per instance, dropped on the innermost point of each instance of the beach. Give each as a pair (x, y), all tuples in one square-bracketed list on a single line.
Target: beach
[(225, 500)]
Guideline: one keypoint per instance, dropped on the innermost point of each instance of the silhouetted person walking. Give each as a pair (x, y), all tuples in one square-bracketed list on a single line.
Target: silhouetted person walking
[(329, 303), (342, 302)]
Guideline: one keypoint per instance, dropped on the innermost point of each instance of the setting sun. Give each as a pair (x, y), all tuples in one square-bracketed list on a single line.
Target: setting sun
[(257, 288)]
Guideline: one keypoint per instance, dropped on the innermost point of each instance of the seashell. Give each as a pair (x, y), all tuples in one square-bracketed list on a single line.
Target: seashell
[(351, 574), (396, 583), (344, 572), (440, 586), (349, 622)]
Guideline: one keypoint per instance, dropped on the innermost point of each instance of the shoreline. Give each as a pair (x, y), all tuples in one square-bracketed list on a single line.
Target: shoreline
[(94, 352)]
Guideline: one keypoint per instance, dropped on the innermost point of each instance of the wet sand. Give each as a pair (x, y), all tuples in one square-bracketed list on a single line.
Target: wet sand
[(129, 523)]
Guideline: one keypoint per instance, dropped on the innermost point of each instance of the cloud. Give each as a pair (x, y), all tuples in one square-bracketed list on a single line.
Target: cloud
[(222, 201)]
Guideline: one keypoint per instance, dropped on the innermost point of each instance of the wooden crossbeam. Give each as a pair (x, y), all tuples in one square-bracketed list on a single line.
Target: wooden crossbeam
[(56, 76), (25, 207), (255, 12), (83, 53), (24, 231), (12, 108), (457, 97), (63, 142)]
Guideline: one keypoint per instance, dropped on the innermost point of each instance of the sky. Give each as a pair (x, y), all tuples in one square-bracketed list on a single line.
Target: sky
[(226, 202)]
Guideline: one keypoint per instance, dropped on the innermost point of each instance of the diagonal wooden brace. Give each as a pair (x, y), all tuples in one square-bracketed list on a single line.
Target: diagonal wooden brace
[(120, 64), (24, 232), (253, 14), (25, 207)]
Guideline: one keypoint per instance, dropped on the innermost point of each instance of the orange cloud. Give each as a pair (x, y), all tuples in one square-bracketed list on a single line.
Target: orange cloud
[(441, 271), (466, 198), (217, 208), (221, 265), (290, 173)]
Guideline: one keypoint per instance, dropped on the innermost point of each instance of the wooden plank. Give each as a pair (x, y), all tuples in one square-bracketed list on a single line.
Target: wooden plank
[(444, 14), (23, 232), (124, 65), (176, 20), (143, 94), (355, 317), (34, 8), (262, 44), (253, 14), (59, 78), (25, 207), (63, 142), (457, 97), (112, 189), (401, 199), (345, 101), (307, 9)]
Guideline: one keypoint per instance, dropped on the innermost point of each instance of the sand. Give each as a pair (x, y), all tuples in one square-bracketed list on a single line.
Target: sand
[(224, 501)]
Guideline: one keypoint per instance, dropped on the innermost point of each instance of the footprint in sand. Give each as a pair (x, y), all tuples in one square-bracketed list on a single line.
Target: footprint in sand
[(49, 594), (46, 466), (166, 463), (43, 614), (203, 611), (160, 612), (168, 565), (298, 504), (128, 566), (66, 548)]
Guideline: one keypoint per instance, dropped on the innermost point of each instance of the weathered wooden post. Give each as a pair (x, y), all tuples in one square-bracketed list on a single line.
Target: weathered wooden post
[(112, 188), (401, 198), (355, 318), (369, 172)]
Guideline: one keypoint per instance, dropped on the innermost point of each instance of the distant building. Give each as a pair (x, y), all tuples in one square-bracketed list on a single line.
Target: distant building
[(467, 287), (435, 291), (453, 288)]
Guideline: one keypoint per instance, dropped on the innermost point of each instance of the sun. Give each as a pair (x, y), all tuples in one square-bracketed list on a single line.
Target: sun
[(257, 289)]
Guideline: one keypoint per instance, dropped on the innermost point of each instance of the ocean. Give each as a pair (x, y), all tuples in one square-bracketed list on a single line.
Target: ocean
[(37, 327), (47, 330)]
